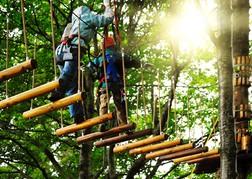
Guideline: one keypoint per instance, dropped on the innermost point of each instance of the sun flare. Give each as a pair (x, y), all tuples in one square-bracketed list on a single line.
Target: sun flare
[(189, 27)]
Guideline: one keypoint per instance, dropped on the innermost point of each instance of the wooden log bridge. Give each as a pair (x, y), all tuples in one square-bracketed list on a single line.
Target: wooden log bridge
[(85, 124), (35, 92), (150, 148), (183, 153), (204, 159), (18, 69), (191, 157), (169, 150), (140, 143), (112, 131), (54, 106), (122, 138)]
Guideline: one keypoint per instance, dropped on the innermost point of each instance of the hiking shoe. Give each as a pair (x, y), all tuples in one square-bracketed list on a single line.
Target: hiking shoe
[(55, 95)]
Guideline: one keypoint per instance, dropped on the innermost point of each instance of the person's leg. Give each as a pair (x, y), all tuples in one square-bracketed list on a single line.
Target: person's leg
[(103, 107), (68, 72), (119, 104), (76, 109)]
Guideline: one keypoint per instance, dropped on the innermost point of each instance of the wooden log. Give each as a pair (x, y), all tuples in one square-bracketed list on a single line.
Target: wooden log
[(191, 157), (183, 153), (85, 124), (112, 131), (54, 106), (204, 159), (35, 92), (18, 69), (155, 147), (122, 138), (140, 143), (169, 150)]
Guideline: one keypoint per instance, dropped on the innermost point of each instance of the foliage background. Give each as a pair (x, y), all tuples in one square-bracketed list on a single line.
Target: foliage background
[(30, 149)]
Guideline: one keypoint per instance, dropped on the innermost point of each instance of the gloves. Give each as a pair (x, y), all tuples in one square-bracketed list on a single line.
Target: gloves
[(106, 2), (108, 12)]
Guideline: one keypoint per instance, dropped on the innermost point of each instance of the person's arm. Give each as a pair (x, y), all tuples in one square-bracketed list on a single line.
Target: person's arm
[(105, 19), (129, 61)]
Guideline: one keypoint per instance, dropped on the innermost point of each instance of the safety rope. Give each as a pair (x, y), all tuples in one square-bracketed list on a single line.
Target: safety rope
[(116, 24), (24, 29), (137, 104), (213, 119), (188, 116), (105, 72), (175, 107), (33, 71), (53, 41), (79, 55), (181, 123), (143, 91), (201, 120), (159, 104), (7, 50), (124, 85), (154, 110), (208, 138)]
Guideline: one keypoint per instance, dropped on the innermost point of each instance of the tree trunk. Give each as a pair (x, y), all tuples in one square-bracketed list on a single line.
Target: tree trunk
[(241, 51), (86, 150), (226, 124)]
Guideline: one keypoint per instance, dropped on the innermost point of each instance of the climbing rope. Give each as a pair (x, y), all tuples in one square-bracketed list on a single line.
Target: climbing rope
[(33, 71), (7, 50), (53, 41), (143, 91), (175, 107), (201, 121), (188, 116), (79, 54), (180, 129), (154, 111), (208, 138), (124, 85), (159, 103), (137, 104), (105, 71), (24, 29), (117, 27)]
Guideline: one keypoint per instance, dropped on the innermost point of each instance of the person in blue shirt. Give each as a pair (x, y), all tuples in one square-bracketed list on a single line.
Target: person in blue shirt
[(67, 52), (114, 76)]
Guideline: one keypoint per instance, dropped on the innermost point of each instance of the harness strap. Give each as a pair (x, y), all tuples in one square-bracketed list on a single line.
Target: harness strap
[(71, 37)]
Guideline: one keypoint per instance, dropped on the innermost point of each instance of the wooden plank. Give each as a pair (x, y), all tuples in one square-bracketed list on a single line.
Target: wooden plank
[(112, 131), (204, 159), (183, 153), (191, 157), (54, 106), (18, 69), (35, 92), (169, 150), (122, 138), (85, 124), (155, 147), (140, 143)]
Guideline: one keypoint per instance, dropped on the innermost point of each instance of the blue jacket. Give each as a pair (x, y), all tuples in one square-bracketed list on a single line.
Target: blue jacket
[(88, 23), (114, 65)]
